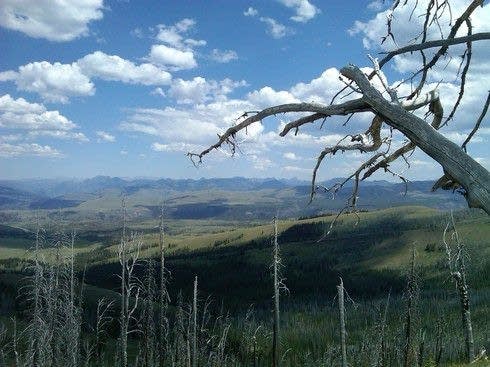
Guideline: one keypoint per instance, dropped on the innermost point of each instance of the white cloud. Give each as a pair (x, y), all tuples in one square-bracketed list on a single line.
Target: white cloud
[(58, 82), (35, 120), (105, 136), (174, 35), (321, 89), (224, 56), (291, 156), (176, 147), (250, 12), (376, 5), (274, 28), (20, 114), (58, 134), (52, 20), (305, 11), (199, 90), (267, 96), (406, 28), (115, 68), (53, 82), (208, 111), (172, 58), (192, 124), (28, 149), (10, 138), (158, 92)]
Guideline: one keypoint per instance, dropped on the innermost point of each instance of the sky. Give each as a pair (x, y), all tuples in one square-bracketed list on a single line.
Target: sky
[(127, 88)]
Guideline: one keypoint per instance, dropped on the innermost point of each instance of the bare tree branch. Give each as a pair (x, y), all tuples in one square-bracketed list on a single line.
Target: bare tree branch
[(478, 122), (465, 170)]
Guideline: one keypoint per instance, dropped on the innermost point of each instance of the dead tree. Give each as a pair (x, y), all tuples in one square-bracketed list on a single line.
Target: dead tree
[(392, 112), (343, 333), (411, 296), (128, 254), (457, 268), (163, 296), (194, 324), (276, 263)]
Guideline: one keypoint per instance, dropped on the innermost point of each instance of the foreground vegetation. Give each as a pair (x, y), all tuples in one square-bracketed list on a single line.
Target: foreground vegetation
[(76, 310)]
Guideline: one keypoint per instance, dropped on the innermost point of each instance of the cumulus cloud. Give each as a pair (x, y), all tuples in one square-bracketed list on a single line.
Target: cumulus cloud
[(53, 82), (53, 20), (304, 10), (319, 90), (115, 68), (192, 124), (223, 56), (406, 28), (33, 120), (172, 58), (175, 51), (175, 35), (200, 90), (59, 82), (105, 136), (267, 96), (20, 114)]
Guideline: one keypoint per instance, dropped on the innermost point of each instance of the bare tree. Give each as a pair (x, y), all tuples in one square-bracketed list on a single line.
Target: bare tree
[(392, 112), (343, 333), (163, 296), (457, 267), (411, 296), (128, 254), (276, 264)]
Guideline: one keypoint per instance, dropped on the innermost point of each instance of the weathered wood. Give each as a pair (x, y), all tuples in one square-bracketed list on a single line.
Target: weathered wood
[(473, 177)]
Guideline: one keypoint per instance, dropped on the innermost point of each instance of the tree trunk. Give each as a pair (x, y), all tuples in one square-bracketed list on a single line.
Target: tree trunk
[(464, 300), (473, 177), (340, 290), (194, 325), (275, 340)]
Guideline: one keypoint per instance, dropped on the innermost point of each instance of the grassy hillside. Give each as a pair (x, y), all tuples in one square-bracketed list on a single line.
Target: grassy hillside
[(371, 253)]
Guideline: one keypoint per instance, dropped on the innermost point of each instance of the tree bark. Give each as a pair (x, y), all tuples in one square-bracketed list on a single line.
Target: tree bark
[(473, 177)]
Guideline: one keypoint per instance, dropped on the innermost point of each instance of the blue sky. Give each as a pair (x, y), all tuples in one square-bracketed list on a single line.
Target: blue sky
[(126, 88)]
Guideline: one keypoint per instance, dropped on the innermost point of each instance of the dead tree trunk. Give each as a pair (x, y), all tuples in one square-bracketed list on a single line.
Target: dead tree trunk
[(457, 164), (194, 325), (163, 298), (276, 264), (464, 300), (411, 295), (340, 291), (457, 267)]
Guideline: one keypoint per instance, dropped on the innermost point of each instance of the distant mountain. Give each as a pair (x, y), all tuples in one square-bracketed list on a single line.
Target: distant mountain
[(11, 198), (226, 198), (53, 187)]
